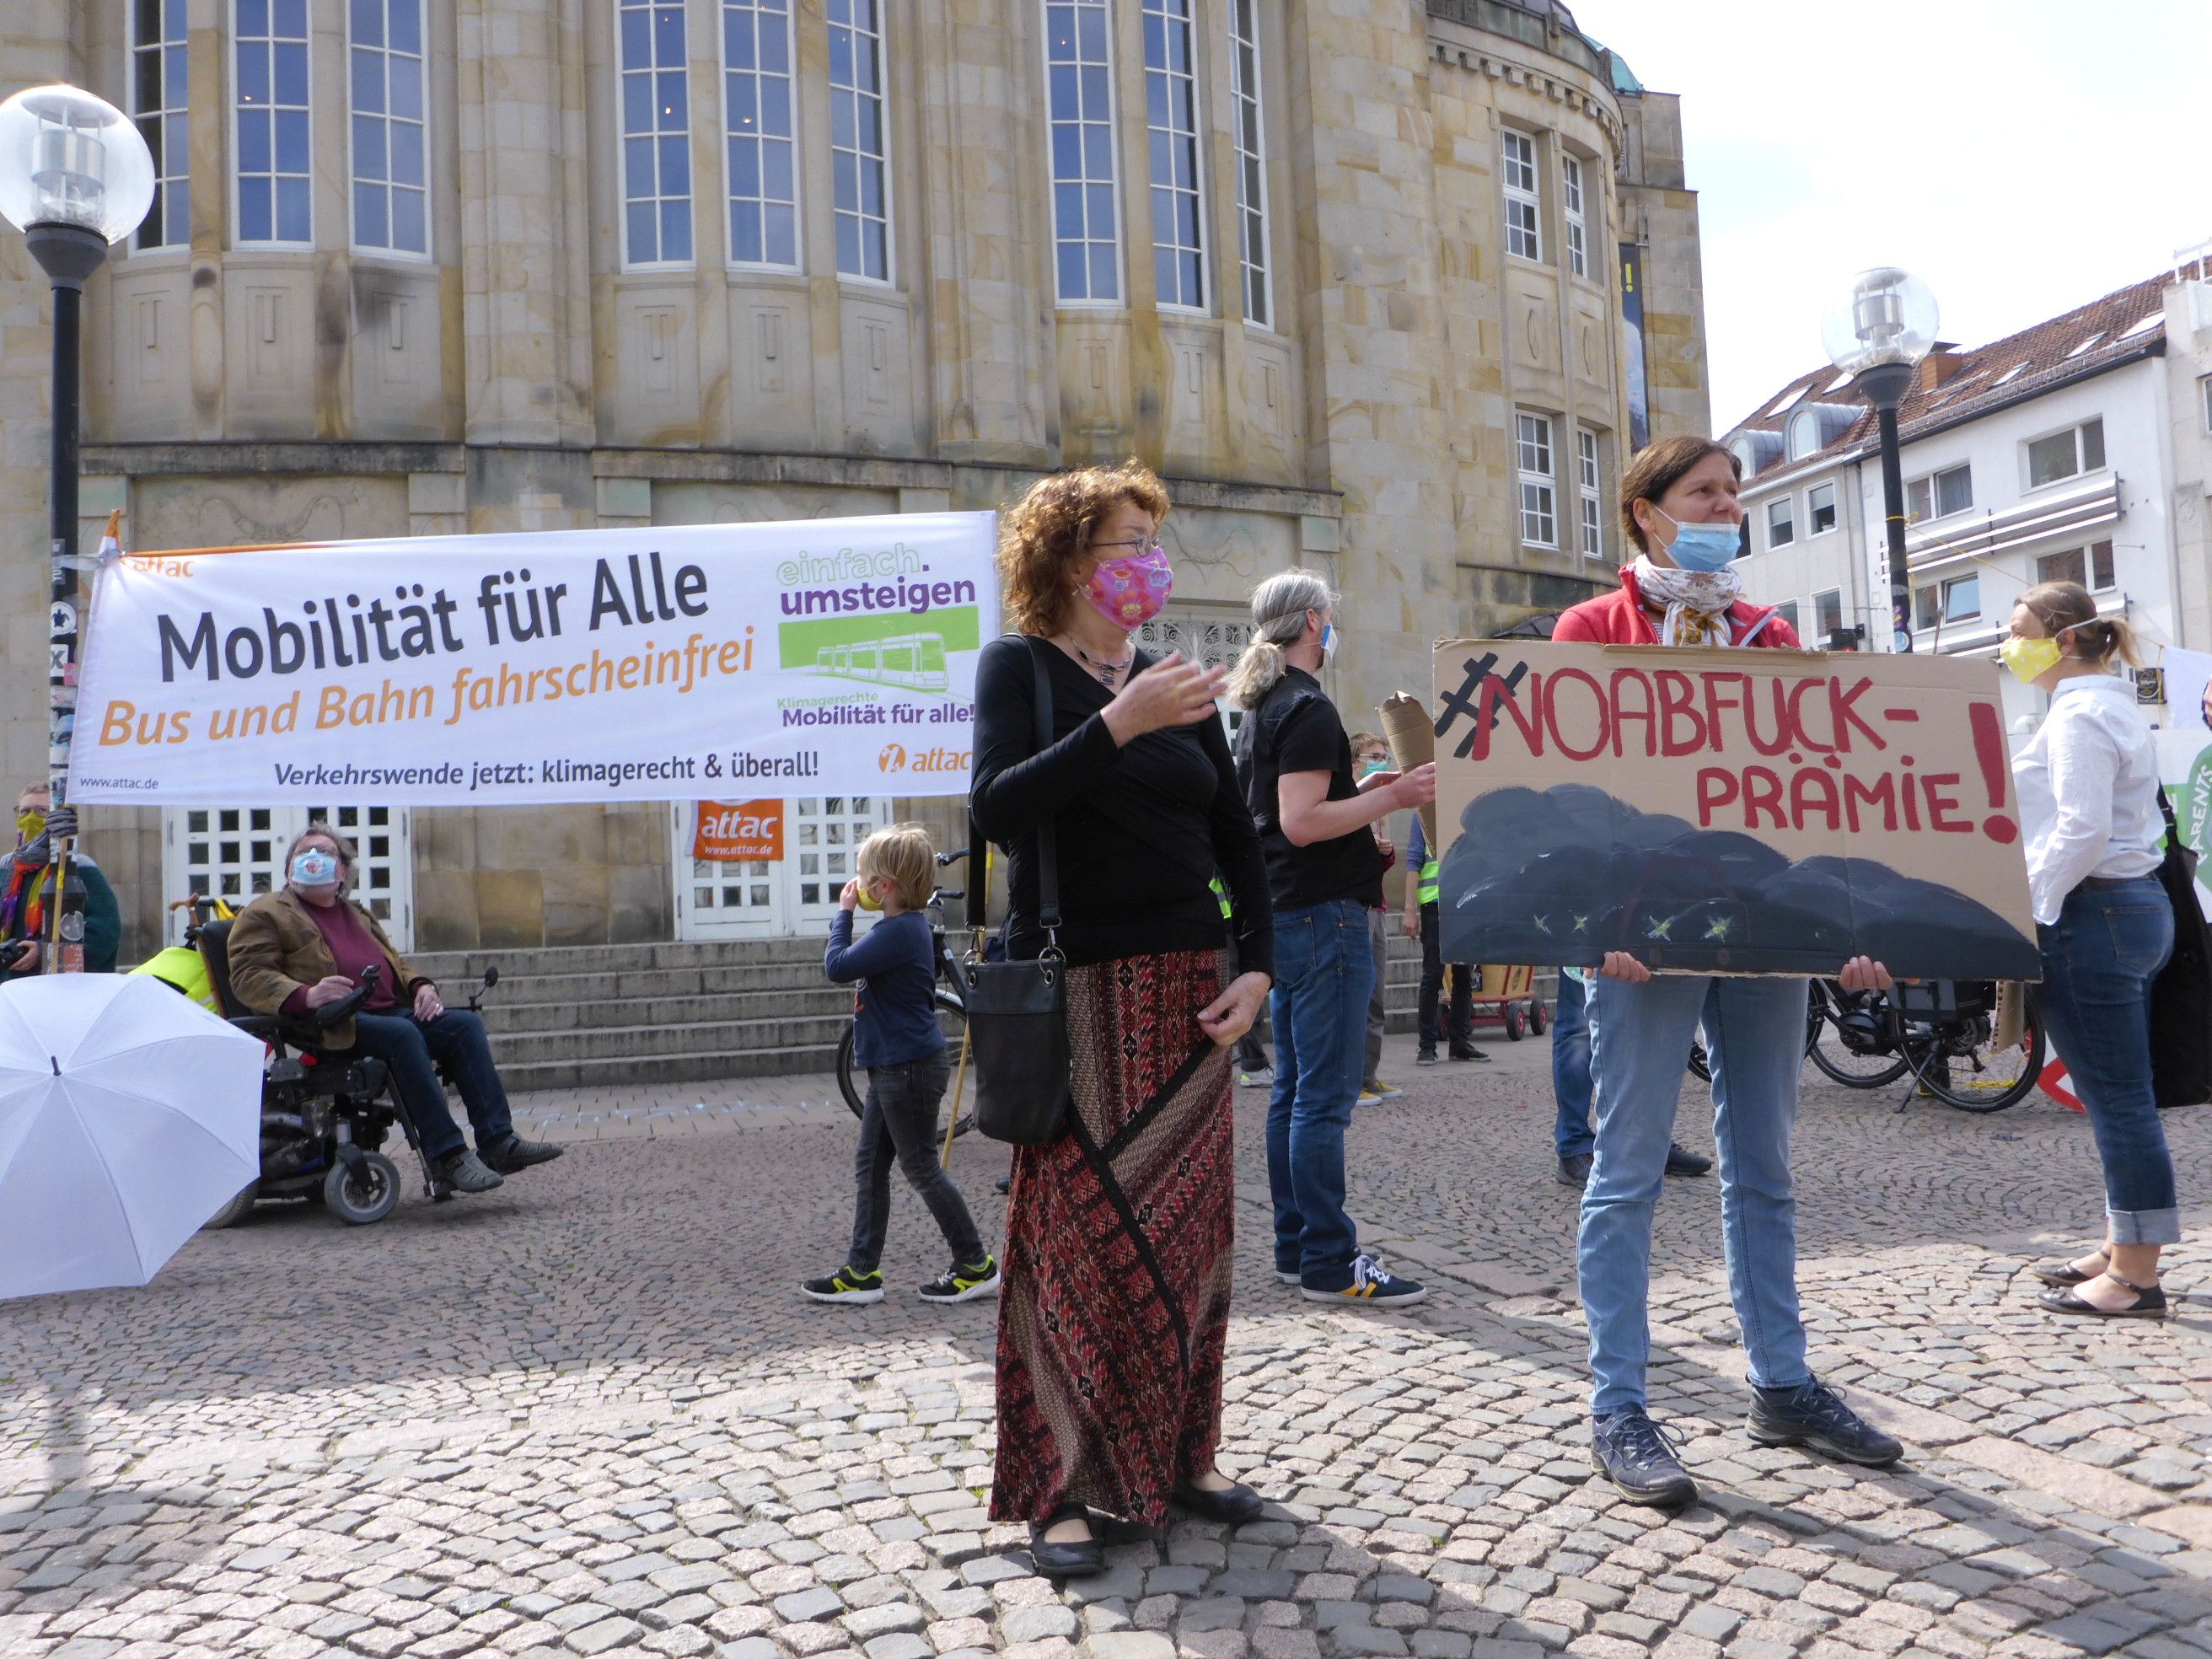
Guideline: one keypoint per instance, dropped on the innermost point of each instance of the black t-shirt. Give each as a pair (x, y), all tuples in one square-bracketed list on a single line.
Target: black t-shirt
[(1295, 729), (1140, 831)]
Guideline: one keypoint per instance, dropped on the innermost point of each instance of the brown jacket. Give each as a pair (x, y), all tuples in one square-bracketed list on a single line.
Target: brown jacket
[(276, 949)]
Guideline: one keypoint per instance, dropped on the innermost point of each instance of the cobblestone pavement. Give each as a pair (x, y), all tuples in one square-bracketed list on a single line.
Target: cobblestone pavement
[(588, 1412)]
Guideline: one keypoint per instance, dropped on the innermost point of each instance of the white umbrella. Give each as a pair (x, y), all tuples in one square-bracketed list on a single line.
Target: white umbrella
[(129, 1114)]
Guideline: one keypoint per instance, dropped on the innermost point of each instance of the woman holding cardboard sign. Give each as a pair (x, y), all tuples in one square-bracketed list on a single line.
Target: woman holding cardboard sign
[(1677, 504), (2089, 794)]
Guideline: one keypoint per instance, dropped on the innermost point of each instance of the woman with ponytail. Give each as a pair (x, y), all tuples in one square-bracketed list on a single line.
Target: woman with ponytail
[(1679, 507), (1324, 874), (2089, 799)]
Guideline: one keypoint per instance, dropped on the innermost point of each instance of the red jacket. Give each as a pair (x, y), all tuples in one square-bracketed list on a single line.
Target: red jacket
[(1620, 618)]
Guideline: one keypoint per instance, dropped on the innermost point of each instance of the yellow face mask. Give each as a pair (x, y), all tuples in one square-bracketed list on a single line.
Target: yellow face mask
[(30, 825), (864, 897), (2028, 658)]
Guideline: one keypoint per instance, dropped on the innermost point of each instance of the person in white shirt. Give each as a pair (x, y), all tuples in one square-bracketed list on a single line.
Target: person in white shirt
[(2088, 797)]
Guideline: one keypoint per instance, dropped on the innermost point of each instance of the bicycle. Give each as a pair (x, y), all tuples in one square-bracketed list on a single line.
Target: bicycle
[(951, 1012), (1701, 1064)]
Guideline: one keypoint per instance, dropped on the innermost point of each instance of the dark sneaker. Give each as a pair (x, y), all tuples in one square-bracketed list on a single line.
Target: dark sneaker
[(965, 1282), (1286, 1275), (1634, 1453), (1426, 1057), (464, 1172), (1466, 1051), (1814, 1415), (846, 1285), (1681, 1161), (513, 1153), (1364, 1280), (1574, 1171)]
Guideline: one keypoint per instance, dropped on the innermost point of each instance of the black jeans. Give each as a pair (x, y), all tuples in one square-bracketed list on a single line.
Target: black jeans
[(1432, 981), (456, 1040), (900, 1119)]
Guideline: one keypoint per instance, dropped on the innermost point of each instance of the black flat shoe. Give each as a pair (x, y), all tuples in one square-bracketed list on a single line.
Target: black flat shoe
[(1234, 1505), (1083, 1558), (2062, 1275), (2149, 1303)]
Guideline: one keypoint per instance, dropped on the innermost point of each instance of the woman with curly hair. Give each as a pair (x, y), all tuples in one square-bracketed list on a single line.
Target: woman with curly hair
[(1115, 1304)]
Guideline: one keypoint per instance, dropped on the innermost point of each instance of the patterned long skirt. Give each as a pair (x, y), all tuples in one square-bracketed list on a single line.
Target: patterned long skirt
[(1115, 1306)]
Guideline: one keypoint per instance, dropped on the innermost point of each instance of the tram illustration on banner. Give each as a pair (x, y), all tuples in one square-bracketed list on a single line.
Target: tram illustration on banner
[(913, 661)]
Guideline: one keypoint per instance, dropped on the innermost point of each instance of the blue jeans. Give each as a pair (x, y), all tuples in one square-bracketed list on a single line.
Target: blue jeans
[(1324, 968), (1570, 1068), (2098, 959), (1641, 1034), (412, 1048), (898, 1124)]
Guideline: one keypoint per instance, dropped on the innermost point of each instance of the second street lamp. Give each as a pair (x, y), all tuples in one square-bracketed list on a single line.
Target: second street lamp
[(1878, 336), (75, 177)]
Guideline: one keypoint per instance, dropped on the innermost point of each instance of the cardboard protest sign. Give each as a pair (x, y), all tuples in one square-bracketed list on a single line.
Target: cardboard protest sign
[(826, 657), (1728, 811)]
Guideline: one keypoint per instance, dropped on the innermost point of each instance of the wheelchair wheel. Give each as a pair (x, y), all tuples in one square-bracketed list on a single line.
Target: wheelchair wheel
[(234, 1211), (364, 1197)]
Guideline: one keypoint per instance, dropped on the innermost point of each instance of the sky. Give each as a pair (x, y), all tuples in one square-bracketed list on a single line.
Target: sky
[(2022, 156)]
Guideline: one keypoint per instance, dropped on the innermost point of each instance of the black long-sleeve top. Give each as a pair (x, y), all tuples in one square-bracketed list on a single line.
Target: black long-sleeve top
[(1141, 830)]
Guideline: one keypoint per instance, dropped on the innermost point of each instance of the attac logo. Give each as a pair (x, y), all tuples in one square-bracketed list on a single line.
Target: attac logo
[(893, 759), (732, 830)]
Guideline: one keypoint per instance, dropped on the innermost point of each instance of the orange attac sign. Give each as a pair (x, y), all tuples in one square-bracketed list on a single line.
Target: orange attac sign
[(1728, 811), (744, 829)]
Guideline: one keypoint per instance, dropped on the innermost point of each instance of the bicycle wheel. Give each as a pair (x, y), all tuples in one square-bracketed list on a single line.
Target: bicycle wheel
[(1955, 1062), (952, 1020), (1851, 1042)]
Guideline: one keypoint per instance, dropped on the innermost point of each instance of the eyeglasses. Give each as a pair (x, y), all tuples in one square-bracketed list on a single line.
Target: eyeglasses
[(1147, 546)]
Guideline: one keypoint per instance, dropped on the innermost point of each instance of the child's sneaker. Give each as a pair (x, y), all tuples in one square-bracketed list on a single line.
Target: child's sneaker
[(964, 1283), (846, 1285)]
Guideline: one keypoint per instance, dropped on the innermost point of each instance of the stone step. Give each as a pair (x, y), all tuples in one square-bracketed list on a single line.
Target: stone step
[(453, 968), (706, 1068), (727, 1036), (650, 985), (677, 1012)]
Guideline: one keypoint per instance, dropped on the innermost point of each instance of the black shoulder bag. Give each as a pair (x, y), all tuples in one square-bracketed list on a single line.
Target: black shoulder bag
[(2181, 995), (1017, 1011)]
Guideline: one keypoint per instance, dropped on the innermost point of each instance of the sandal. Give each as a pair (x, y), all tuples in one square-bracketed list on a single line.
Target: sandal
[(2149, 1303), (2063, 1275)]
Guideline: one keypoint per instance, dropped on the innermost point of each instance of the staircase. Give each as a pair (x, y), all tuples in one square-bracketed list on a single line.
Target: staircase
[(577, 1017)]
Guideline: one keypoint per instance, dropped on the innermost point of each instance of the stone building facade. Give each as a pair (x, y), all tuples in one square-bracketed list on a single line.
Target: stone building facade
[(433, 266)]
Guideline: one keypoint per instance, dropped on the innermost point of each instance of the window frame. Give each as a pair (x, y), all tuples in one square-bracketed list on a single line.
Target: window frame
[(1589, 490), (880, 36), (1530, 196), (2078, 431), (1951, 585), (1931, 482), (1805, 420), (370, 250), (1111, 184), (730, 198), (1252, 97), (657, 134), (237, 39), (1574, 201), (1787, 502), (2204, 399), (1529, 427), (170, 187), (1148, 11), (1821, 611), (1813, 524), (1787, 610)]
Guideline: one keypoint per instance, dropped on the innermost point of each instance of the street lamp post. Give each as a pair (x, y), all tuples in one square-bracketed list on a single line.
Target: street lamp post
[(75, 177), (1879, 336)]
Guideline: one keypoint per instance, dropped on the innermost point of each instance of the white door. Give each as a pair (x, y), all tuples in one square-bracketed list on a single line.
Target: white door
[(236, 852), (770, 898)]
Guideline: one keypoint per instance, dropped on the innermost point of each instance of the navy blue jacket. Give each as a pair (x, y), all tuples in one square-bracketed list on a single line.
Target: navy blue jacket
[(895, 1018)]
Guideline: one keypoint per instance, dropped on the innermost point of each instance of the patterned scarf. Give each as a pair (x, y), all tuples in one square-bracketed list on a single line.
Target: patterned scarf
[(1697, 601)]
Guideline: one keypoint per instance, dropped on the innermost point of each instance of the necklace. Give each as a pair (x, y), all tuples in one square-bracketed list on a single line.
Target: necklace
[(1107, 672)]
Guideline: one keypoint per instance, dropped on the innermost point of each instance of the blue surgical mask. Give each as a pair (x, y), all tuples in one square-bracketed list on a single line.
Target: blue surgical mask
[(1328, 643), (1702, 546), (314, 868)]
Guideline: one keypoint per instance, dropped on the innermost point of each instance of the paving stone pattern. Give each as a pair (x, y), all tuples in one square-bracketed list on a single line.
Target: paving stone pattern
[(588, 1414)]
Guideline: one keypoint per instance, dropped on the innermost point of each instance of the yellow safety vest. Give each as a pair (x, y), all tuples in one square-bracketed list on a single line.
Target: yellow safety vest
[(1221, 898), (1428, 887)]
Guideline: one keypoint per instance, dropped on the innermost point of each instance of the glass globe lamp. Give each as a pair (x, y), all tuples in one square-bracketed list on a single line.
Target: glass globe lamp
[(69, 159), (1889, 318)]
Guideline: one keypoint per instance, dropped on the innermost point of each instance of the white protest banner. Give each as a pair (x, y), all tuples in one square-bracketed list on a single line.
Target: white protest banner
[(826, 657)]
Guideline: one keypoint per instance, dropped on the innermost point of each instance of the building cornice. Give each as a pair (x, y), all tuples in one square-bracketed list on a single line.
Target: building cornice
[(1504, 57)]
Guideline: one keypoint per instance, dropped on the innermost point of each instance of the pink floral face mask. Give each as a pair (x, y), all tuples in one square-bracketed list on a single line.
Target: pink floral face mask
[(1129, 593)]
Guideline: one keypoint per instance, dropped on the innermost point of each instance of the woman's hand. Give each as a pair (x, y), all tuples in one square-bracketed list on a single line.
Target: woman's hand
[(1410, 923), (1171, 692), (1618, 964), (429, 1004), (1864, 974), (1418, 788), (328, 989), (1232, 1013)]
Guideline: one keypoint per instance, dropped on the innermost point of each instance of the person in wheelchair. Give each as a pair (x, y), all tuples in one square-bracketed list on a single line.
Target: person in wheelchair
[(306, 944)]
